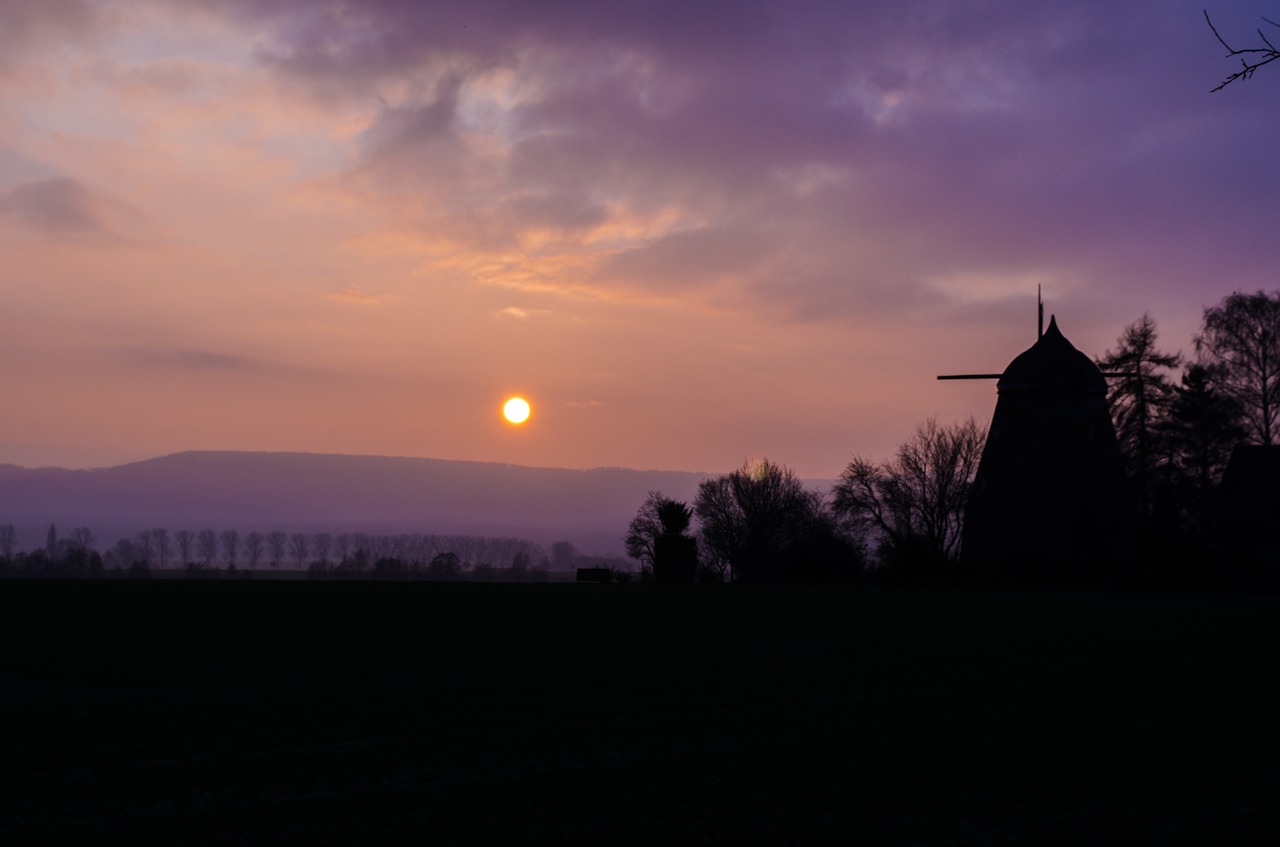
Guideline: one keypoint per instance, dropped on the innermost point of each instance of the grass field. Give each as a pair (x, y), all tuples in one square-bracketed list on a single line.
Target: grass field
[(288, 712)]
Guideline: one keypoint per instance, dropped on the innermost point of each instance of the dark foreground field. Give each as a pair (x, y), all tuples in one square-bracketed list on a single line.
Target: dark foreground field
[(238, 713)]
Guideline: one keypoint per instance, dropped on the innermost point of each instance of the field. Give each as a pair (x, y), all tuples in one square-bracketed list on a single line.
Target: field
[(290, 712)]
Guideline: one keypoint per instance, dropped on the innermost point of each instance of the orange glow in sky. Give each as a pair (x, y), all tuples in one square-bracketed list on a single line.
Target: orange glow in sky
[(291, 227)]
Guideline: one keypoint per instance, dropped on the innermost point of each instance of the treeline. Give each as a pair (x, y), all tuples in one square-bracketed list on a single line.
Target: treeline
[(209, 553), (1179, 421)]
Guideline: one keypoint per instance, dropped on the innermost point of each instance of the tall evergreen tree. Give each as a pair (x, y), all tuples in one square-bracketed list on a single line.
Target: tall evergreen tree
[(1203, 427), (1139, 393)]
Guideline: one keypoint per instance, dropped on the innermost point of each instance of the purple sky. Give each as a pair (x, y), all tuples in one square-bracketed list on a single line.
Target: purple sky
[(689, 233)]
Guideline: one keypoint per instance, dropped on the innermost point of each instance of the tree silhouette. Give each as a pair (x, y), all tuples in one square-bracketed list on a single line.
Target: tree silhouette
[(143, 545), (8, 538), (1251, 58), (186, 540), (298, 545), (82, 537), (253, 547), (1240, 345), (230, 546), (1139, 393), (658, 537), (276, 542), (160, 541), (1203, 427), (758, 522), (322, 543), (445, 566), (207, 546), (915, 501)]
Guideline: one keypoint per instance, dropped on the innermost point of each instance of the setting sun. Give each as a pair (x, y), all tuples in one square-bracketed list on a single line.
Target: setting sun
[(516, 410)]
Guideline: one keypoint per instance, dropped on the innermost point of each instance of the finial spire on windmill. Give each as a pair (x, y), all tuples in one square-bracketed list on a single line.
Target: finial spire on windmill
[(1053, 325), (1040, 311)]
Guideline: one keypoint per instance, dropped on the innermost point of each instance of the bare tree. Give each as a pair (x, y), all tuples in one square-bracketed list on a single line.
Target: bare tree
[(756, 519), (322, 544), (186, 540), (8, 537), (1251, 58), (1240, 345), (82, 537), (298, 546), (160, 538), (645, 528), (276, 542), (142, 543), (230, 546), (253, 547), (343, 544), (207, 545), (917, 499)]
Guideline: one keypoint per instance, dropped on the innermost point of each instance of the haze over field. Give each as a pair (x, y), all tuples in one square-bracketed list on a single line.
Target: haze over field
[(689, 233), (308, 492)]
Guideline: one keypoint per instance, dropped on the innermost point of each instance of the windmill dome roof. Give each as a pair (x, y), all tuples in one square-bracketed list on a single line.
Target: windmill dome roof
[(1052, 363)]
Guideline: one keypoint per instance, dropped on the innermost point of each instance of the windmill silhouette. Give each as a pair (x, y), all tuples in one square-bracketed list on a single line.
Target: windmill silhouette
[(1048, 499)]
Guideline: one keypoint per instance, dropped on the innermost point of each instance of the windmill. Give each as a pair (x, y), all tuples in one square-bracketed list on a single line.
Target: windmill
[(1047, 501)]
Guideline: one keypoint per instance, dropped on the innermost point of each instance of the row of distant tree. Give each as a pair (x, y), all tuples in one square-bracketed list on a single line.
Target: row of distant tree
[(322, 553), (1178, 419)]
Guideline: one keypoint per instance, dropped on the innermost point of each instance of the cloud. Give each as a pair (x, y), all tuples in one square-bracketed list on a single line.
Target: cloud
[(353, 295), (806, 158), (64, 207), (514, 312), (186, 359), (28, 25)]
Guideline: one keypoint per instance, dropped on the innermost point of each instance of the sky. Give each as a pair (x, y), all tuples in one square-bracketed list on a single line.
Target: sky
[(690, 234)]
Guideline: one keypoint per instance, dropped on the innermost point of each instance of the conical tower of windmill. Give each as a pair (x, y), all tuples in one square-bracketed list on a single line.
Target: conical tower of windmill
[(1047, 502)]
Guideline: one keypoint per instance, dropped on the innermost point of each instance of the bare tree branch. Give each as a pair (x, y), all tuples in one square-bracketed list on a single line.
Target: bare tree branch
[(1252, 58)]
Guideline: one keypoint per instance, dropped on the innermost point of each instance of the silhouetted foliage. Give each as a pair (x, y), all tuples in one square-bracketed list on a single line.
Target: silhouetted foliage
[(253, 543), (160, 543), (760, 524), (298, 546), (1251, 58), (1203, 426), (230, 546), (1139, 392), (321, 544), (8, 539), (207, 546), (914, 503), (1240, 345), (276, 541), (563, 555), (658, 537), (186, 541)]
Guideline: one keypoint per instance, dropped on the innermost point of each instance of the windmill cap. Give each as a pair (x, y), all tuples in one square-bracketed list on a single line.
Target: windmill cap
[(1052, 363)]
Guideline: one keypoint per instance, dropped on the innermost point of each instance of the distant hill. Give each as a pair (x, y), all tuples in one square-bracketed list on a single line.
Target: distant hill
[(308, 492)]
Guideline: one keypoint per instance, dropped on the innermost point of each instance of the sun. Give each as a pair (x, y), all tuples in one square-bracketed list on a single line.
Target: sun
[(516, 410)]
